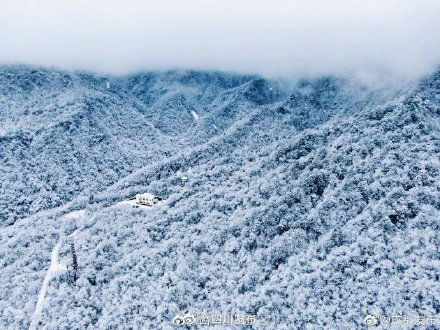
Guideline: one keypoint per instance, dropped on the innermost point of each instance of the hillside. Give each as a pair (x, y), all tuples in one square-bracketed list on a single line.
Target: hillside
[(312, 210), (69, 135)]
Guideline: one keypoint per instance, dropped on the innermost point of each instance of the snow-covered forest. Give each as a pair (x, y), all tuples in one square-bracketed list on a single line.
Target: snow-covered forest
[(311, 204)]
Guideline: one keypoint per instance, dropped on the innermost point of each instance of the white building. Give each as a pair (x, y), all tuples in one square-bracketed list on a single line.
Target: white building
[(147, 199)]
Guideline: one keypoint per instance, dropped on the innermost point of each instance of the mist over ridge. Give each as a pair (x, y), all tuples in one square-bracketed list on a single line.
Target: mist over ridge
[(290, 39)]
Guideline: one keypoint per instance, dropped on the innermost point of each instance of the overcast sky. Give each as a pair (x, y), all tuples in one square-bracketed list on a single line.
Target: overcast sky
[(287, 38)]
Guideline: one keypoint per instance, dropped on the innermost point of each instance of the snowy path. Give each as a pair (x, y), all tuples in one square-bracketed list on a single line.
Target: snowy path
[(54, 270)]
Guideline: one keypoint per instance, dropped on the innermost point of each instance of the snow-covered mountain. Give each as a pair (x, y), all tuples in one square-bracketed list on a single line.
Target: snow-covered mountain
[(70, 135), (311, 205)]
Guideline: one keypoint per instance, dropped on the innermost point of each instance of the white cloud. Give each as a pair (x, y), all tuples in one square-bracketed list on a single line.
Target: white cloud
[(288, 38)]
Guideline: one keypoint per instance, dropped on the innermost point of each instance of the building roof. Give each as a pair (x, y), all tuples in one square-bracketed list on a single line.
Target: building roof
[(146, 195)]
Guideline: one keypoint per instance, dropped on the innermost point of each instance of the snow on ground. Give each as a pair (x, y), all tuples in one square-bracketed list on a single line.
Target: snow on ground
[(132, 202), (195, 115), (55, 269), (75, 214), (286, 216)]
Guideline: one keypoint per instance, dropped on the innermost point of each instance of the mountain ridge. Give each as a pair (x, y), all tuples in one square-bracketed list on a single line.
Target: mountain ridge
[(317, 214)]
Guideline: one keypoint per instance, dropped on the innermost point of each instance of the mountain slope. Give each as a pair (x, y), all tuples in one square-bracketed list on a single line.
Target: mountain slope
[(69, 135), (314, 212)]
